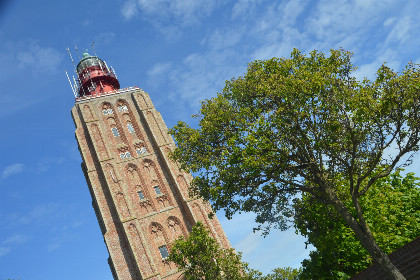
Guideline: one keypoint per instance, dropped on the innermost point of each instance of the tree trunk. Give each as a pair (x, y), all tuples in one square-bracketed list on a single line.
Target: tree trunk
[(365, 237)]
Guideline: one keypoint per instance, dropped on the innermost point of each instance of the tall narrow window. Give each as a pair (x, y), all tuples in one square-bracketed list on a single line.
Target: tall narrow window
[(141, 195), (130, 128), (157, 190), (115, 132), (163, 251)]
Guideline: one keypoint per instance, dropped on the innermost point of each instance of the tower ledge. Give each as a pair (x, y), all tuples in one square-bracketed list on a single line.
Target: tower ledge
[(103, 94)]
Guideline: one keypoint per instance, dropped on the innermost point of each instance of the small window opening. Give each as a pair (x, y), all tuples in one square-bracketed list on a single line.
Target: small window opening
[(122, 156), (127, 154), (130, 128), (157, 190), (140, 151), (122, 108), (141, 195), (115, 132), (164, 251)]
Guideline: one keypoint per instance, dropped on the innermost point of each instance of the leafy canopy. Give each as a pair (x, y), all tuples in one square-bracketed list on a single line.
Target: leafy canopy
[(392, 210), (292, 125), (201, 257), (302, 125)]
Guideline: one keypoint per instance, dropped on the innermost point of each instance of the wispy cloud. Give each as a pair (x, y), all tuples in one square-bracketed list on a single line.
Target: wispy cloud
[(262, 30), (286, 247), (169, 17), (244, 9), (104, 38), (64, 234), (16, 239), (12, 169), (60, 240), (39, 57), (11, 242), (45, 164), (42, 213), (24, 57), (129, 9), (248, 244), (4, 251)]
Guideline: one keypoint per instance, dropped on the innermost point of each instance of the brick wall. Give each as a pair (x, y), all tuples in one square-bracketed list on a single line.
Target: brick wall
[(406, 259), (124, 144)]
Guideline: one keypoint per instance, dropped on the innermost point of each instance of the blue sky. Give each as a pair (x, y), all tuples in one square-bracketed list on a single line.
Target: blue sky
[(180, 52)]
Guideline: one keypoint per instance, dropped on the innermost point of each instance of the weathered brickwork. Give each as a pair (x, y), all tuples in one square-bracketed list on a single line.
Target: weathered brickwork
[(140, 197)]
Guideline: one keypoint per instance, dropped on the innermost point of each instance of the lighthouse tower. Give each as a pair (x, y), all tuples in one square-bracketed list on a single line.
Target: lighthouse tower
[(139, 195)]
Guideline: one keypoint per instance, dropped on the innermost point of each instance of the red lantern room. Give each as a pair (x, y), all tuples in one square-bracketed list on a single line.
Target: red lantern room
[(95, 77)]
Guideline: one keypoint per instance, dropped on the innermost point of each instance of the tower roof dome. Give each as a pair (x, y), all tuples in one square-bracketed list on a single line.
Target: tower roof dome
[(89, 61)]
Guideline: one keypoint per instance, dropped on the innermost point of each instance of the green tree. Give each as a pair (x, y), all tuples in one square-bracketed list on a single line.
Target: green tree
[(299, 125), (286, 273), (201, 257), (392, 211)]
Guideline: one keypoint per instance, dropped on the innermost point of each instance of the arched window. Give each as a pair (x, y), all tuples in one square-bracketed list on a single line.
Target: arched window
[(130, 127), (115, 131), (141, 195), (163, 251)]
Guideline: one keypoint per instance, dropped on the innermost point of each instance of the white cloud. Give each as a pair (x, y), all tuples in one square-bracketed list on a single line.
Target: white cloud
[(248, 244), (42, 213), (402, 30), (224, 38), (60, 240), (244, 9), (4, 251), (285, 247), (129, 9), (182, 12), (38, 58), (16, 239), (104, 38), (159, 70), (12, 169), (46, 163), (169, 17)]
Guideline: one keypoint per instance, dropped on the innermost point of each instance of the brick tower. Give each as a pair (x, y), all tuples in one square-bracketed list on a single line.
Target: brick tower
[(140, 197)]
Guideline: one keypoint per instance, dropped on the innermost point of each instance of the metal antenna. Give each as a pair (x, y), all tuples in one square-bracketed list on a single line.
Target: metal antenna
[(74, 93), (74, 65), (71, 57), (97, 59), (76, 85), (77, 51), (114, 72), (109, 72)]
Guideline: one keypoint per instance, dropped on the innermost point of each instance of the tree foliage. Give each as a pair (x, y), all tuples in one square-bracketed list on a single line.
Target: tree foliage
[(201, 257), (392, 211), (302, 125), (286, 273)]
